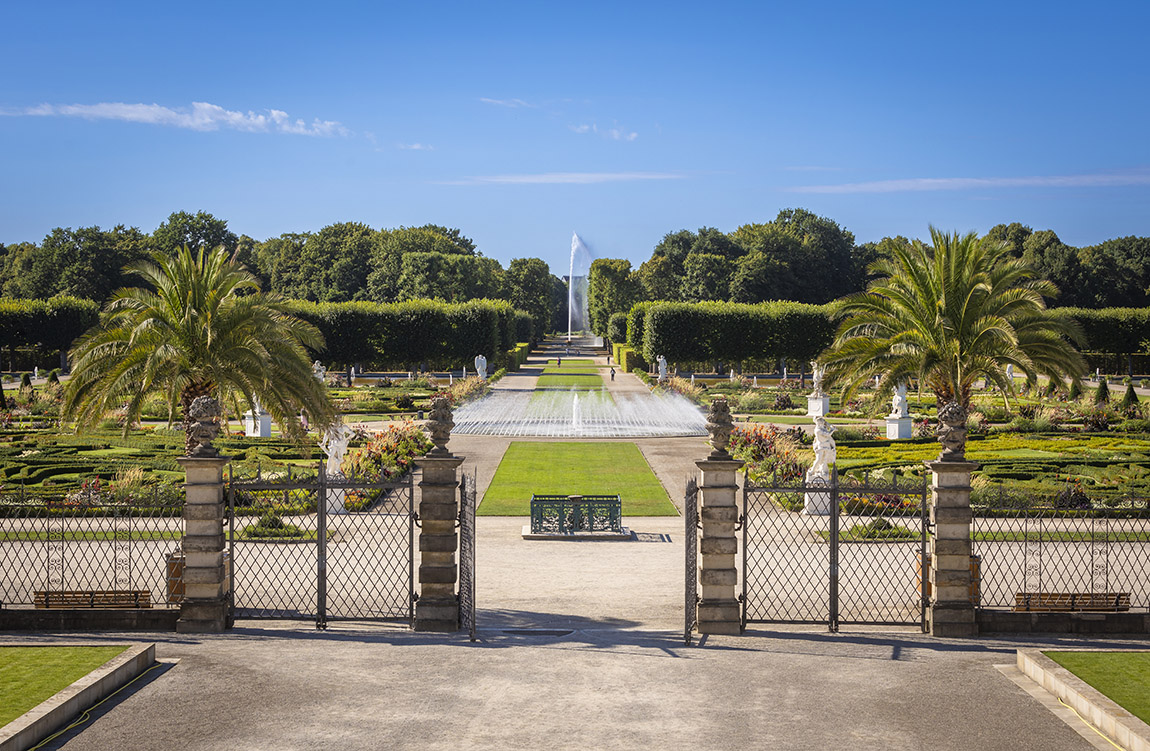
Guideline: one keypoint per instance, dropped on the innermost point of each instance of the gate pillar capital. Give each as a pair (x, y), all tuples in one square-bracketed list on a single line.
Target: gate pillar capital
[(719, 610), (437, 608), (951, 608), (204, 609)]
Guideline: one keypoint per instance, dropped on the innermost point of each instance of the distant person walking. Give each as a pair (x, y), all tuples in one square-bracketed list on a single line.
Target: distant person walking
[(612, 374), (559, 361)]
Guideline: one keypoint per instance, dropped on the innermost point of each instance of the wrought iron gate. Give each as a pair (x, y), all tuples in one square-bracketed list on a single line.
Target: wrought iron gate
[(467, 555), (322, 547), (858, 561), (691, 544)]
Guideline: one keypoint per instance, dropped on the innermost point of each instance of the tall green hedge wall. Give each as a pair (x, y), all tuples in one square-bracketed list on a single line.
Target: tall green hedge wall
[(51, 324), (427, 332), (735, 332)]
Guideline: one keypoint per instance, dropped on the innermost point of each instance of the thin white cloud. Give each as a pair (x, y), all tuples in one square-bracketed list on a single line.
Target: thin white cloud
[(611, 134), (512, 103), (201, 116), (967, 183), (416, 146), (565, 178), (811, 168)]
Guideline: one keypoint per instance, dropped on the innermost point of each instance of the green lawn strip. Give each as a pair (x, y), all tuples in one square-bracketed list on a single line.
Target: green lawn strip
[(546, 397), (569, 468), (1123, 676), (87, 536), (30, 675), (569, 382), (570, 363)]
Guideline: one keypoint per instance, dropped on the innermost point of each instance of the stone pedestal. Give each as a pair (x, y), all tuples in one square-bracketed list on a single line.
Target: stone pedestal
[(719, 610), (898, 428), (204, 609), (951, 612), (257, 424), (437, 608), (818, 406), (818, 502)]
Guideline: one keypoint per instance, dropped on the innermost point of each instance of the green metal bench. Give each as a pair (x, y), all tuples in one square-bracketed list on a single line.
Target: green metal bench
[(576, 514)]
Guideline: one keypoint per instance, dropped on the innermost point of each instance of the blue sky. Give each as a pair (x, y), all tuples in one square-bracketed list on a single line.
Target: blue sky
[(522, 122)]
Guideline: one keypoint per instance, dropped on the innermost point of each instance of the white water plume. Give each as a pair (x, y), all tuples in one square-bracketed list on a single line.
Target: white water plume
[(580, 414), (578, 318)]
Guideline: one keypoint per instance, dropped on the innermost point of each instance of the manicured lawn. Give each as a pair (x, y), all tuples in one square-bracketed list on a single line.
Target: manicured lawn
[(571, 363), (574, 469), (569, 381), (29, 675), (1123, 676)]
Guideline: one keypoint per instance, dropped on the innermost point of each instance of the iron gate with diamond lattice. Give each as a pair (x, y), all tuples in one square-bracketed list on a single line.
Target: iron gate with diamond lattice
[(859, 561), (324, 547), (467, 554)]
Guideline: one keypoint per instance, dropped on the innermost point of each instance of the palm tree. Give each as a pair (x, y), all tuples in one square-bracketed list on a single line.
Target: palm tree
[(949, 315), (204, 329)]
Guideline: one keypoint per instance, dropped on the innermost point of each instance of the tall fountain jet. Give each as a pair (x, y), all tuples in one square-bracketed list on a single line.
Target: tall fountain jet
[(581, 260)]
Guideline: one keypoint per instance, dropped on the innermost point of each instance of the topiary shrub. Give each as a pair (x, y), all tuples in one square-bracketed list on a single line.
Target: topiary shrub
[(1075, 392), (1130, 401), (1102, 393)]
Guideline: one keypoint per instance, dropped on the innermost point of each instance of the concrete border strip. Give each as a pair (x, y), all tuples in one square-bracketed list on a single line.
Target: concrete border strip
[(57, 711), (1121, 727)]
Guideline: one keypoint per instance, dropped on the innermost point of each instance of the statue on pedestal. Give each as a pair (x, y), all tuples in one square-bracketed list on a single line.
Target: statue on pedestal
[(824, 448), (334, 445), (662, 361), (817, 374), (898, 405), (720, 426), (952, 432), (202, 425), (481, 367)]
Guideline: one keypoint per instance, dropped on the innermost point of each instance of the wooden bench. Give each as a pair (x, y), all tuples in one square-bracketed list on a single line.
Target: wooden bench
[(1066, 602), (94, 598)]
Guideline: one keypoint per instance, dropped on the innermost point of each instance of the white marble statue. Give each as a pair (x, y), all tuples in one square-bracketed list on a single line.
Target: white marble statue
[(334, 445), (824, 448), (662, 361), (818, 502), (817, 373), (898, 405), (481, 367), (319, 371)]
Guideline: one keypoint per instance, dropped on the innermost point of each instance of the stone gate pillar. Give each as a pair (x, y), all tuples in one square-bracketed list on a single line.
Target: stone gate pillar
[(951, 611), (437, 608), (719, 610), (204, 608)]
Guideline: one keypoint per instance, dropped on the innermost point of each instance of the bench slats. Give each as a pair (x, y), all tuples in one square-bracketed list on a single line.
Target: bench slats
[(93, 598)]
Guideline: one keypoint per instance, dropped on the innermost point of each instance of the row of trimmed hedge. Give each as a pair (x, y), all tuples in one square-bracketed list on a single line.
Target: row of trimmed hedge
[(729, 332), (425, 332), (735, 332), (48, 324), (396, 335)]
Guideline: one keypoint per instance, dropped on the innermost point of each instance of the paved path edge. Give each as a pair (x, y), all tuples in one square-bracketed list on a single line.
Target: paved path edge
[(54, 713)]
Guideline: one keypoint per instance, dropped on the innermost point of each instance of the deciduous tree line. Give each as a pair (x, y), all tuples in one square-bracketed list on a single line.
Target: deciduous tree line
[(340, 263), (805, 258)]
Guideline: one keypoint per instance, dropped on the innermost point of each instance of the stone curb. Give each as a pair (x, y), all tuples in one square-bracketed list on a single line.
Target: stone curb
[(54, 713), (1120, 726)]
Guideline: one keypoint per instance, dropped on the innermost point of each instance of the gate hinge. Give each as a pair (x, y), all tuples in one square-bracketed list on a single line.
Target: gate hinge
[(415, 518), (739, 524)]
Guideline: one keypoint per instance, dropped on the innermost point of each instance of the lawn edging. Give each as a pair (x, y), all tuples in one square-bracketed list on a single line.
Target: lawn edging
[(1116, 723), (52, 714)]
